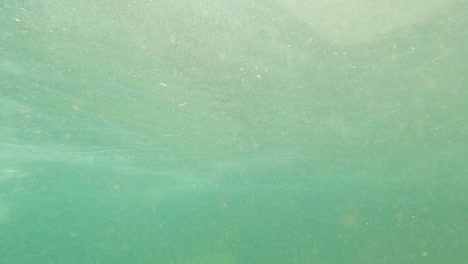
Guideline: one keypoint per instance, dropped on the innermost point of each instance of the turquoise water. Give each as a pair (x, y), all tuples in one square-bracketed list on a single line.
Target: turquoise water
[(192, 132)]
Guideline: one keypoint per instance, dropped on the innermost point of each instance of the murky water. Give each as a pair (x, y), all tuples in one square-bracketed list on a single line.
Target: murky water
[(212, 132)]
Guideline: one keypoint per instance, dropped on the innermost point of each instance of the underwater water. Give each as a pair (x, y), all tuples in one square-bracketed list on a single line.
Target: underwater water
[(211, 132)]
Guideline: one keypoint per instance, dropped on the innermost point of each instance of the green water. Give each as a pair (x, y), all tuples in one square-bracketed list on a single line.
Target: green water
[(211, 132)]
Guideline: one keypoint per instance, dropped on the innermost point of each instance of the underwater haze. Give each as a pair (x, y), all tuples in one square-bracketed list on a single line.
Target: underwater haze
[(233, 132)]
